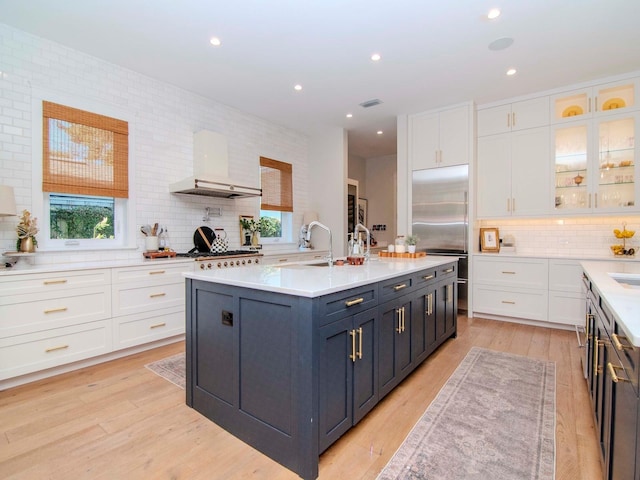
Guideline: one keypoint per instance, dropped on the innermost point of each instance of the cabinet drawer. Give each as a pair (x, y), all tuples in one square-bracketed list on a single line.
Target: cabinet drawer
[(24, 314), (510, 302), (131, 330), (336, 305), (152, 274), (530, 273), (136, 299), (565, 275), (396, 287), (24, 354), (567, 308), (11, 285)]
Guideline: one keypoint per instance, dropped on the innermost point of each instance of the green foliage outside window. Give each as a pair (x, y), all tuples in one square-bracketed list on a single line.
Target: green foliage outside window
[(270, 227), (78, 222)]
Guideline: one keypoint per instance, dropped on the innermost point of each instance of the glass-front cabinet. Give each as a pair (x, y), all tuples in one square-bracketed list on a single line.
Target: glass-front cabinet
[(598, 100), (595, 164)]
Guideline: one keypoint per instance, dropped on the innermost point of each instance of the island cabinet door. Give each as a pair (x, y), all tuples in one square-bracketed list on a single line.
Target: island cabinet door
[(348, 385), (394, 343), (423, 324), (446, 310)]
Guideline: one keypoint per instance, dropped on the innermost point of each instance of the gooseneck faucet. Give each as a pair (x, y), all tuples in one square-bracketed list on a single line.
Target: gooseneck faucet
[(316, 223), (360, 226)]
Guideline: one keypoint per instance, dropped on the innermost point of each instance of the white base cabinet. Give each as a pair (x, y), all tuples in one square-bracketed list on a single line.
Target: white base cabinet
[(49, 320), (528, 288)]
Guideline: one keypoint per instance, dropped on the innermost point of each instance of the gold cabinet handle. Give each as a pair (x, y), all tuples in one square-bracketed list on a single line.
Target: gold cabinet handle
[(403, 318), (596, 346), (508, 302), (429, 304), (353, 345), (283, 259), (157, 272), (360, 343), (509, 273), (351, 303), (428, 277), (399, 325), (448, 270), (55, 310), (53, 349), (400, 287), (55, 282), (615, 338), (449, 293), (157, 325), (155, 295), (612, 370)]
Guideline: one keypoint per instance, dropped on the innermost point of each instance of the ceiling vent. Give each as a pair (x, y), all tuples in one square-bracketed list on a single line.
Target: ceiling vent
[(370, 103)]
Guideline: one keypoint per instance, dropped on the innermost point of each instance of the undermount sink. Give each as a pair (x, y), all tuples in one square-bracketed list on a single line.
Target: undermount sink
[(627, 280)]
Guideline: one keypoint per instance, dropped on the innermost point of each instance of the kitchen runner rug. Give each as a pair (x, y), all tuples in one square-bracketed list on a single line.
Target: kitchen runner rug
[(493, 419), (172, 368)]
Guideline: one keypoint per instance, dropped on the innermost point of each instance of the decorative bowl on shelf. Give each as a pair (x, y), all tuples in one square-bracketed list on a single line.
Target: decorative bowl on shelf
[(572, 111), (614, 103)]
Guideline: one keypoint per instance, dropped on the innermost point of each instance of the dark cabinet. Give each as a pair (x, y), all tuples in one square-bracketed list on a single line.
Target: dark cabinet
[(348, 384), (611, 363), (395, 330), (290, 374)]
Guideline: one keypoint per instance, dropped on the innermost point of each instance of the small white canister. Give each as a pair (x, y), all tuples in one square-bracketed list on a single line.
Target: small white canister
[(151, 243)]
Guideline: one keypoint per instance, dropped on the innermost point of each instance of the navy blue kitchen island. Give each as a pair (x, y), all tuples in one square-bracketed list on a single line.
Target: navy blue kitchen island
[(288, 358)]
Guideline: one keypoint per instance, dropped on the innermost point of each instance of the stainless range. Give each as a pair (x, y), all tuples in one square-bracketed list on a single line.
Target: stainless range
[(231, 258)]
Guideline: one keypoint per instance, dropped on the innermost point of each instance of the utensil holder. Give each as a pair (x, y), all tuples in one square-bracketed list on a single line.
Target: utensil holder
[(151, 244)]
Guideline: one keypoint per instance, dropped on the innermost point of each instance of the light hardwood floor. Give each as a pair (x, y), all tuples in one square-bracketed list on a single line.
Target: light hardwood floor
[(118, 420)]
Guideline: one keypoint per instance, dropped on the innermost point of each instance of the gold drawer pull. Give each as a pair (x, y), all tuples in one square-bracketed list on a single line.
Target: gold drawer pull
[(154, 295), (400, 287), (612, 370), (351, 303), (158, 325), (283, 259), (448, 270), (619, 346), (53, 349), (157, 272), (509, 273), (54, 310), (509, 302), (428, 277), (55, 282)]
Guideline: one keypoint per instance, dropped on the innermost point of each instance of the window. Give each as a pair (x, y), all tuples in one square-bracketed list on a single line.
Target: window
[(85, 177), (277, 200)]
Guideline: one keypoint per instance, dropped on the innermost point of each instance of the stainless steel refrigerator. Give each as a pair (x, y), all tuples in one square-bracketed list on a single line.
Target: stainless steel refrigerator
[(440, 217)]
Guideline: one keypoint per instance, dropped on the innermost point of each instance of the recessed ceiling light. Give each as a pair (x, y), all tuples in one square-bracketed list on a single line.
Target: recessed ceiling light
[(297, 88), (379, 132), (215, 41), (511, 71), (493, 13), (349, 115), (501, 43), (375, 57)]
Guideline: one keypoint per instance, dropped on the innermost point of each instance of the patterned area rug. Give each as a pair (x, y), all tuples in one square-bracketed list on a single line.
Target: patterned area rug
[(171, 368), (493, 419)]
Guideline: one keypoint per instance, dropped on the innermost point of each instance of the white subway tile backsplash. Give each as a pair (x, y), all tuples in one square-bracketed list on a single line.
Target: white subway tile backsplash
[(163, 119)]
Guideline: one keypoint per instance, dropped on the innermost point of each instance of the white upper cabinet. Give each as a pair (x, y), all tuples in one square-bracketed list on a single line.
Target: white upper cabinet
[(513, 174), (439, 139), (513, 116), (605, 99)]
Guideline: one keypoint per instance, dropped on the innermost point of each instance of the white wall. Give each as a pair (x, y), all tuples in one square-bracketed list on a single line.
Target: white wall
[(164, 119), (381, 196)]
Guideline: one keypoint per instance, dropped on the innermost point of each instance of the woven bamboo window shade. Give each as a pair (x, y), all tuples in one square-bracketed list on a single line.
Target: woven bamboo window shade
[(276, 184), (84, 153)]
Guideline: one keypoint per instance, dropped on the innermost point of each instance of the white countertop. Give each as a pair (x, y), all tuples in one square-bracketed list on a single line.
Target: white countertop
[(24, 267), (624, 302), (304, 280)]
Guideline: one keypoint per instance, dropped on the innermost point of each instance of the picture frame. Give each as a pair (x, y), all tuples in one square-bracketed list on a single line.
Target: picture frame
[(489, 240), (362, 211)]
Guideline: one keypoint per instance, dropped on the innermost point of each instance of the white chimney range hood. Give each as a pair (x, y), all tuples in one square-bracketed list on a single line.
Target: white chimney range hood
[(211, 170)]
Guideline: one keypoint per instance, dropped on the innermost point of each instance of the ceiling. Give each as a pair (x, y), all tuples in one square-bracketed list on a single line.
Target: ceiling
[(434, 54)]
